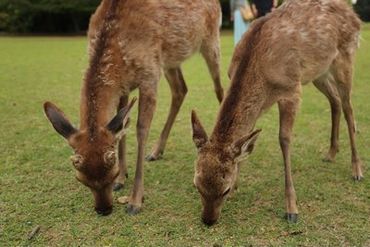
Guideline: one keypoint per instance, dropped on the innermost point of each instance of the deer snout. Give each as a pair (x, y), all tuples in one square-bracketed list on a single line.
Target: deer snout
[(209, 221), (104, 211), (210, 216), (103, 201)]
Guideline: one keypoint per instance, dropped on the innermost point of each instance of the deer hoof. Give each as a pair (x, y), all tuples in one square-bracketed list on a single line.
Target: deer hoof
[(358, 178), (152, 157), (328, 159), (132, 209), (291, 218), (118, 186)]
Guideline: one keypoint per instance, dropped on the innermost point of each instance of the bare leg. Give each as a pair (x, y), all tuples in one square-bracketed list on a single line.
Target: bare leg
[(287, 110), (211, 53), (120, 181), (178, 90), (343, 77), (147, 102), (329, 90)]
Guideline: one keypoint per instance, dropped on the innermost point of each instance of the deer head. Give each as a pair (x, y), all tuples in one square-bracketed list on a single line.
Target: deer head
[(95, 160), (216, 168)]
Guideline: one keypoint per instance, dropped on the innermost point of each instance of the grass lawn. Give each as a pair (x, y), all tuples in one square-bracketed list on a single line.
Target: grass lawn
[(38, 185)]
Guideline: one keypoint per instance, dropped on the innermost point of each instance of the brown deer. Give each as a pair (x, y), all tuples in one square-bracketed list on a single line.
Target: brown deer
[(302, 41), (130, 43)]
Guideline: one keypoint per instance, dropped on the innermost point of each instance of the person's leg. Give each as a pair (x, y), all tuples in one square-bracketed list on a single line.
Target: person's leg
[(238, 27)]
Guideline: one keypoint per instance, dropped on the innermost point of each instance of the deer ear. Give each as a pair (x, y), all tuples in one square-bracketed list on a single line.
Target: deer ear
[(57, 118), (120, 122), (245, 145), (199, 134)]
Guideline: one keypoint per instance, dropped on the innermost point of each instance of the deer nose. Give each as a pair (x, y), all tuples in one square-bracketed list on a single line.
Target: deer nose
[(104, 211), (208, 221)]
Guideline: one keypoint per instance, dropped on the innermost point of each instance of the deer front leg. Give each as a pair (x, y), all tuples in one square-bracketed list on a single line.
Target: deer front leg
[(236, 184), (287, 110), (120, 181), (147, 102)]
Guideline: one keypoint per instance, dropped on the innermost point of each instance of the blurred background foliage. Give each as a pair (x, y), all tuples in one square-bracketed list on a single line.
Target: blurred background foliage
[(46, 16), (72, 16), (362, 7)]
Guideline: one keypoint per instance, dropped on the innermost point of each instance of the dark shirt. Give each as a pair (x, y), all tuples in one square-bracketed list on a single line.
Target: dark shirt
[(263, 6)]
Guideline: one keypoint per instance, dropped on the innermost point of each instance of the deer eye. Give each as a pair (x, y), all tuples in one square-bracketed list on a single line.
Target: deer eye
[(226, 192)]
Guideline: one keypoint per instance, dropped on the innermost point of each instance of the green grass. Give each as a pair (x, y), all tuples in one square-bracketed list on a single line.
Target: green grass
[(38, 186)]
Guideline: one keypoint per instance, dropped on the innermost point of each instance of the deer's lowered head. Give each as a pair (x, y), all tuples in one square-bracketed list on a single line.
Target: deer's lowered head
[(216, 168), (94, 159)]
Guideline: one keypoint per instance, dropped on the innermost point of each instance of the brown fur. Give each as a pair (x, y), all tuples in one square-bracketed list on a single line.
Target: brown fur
[(302, 41), (92, 77), (230, 103), (130, 43)]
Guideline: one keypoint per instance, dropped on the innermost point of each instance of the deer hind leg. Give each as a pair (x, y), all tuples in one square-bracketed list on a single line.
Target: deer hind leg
[(147, 102), (120, 181), (287, 111), (211, 52), (327, 87), (342, 71), (178, 90)]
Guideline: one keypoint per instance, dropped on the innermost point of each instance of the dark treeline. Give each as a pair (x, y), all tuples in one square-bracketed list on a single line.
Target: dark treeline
[(72, 16), (362, 7), (46, 16)]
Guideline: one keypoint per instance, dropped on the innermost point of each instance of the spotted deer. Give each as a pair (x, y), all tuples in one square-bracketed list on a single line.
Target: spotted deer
[(130, 43), (300, 42)]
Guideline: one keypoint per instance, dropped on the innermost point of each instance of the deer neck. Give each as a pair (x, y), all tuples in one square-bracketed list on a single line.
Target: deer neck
[(248, 92), (240, 110), (103, 86), (99, 103)]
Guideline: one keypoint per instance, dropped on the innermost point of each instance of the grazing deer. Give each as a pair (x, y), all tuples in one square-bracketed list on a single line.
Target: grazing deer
[(130, 42), (302, 41)]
